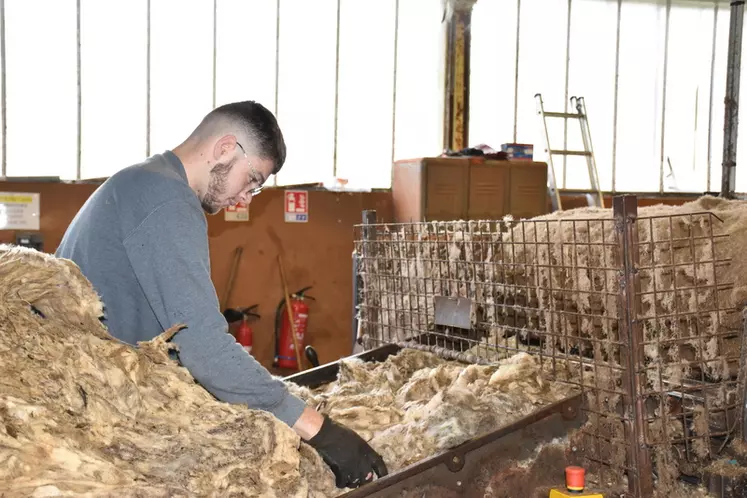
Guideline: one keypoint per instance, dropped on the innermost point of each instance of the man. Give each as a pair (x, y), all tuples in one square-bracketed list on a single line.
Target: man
[(141, 239)]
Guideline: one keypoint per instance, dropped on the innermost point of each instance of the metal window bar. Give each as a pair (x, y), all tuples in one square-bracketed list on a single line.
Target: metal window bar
[(633, 311), (3, 96)]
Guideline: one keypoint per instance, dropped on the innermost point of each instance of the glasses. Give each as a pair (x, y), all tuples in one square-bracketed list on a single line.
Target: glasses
[(256, 190)]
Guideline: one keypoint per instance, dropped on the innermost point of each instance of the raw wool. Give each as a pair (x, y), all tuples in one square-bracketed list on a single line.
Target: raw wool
[(551, 285), (83, 414), (692, 288), (558, 274), (414, 404), (584, 243)]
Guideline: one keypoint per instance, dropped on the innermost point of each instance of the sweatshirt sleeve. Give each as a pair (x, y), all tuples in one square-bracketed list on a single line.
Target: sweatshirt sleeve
[(169, 254)]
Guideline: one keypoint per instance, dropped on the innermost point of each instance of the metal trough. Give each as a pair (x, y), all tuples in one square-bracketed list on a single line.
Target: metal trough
[(453, 472)]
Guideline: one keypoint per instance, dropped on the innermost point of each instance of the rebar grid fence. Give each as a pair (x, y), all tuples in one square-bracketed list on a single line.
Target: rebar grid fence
[(635, 312)]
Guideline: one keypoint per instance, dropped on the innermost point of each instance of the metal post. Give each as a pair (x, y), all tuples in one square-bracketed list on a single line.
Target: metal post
[(742, 378), (356, 299), (3, 113), (336, 133), (361, 262), (79, 119), (458, 18), (147, 79), (640, 481), (215, 52), (731, 100)]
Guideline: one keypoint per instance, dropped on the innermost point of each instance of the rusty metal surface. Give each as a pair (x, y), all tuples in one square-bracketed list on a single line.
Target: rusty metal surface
[(689, 362), (640, 481)]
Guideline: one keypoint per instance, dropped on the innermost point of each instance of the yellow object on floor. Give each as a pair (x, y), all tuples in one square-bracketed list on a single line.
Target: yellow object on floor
[(554, 493)]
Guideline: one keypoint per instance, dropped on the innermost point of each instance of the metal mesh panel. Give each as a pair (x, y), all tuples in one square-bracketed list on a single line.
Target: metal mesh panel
[(691, 340), (606, 303)]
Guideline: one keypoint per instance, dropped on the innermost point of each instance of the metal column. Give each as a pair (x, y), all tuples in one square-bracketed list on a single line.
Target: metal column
[(731, 100), (368, 234), (458, 17), (625, 211)]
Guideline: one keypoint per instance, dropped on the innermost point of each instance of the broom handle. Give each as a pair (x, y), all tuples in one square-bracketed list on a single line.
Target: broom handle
[(290, 314)]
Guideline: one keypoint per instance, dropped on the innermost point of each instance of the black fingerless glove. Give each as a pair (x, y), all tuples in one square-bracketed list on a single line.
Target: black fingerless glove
[(347, 454)]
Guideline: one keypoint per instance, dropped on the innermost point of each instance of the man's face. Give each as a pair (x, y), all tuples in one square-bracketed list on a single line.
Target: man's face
[(233, 178)]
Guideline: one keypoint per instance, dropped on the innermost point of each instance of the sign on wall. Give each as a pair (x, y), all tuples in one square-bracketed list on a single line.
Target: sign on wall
[(239, 212), (296, 206), (19, 211)]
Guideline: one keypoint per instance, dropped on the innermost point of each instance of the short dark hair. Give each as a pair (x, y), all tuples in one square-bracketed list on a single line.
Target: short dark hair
[(260, 125)]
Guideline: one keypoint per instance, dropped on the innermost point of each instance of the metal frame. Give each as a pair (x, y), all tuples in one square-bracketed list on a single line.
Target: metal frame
[(731, 100), (3, 95), (457, 468), (626, 215), (79, 132), (658, 383)]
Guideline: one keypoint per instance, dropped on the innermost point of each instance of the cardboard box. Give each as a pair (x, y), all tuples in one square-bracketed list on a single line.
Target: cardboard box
[(524, 152)]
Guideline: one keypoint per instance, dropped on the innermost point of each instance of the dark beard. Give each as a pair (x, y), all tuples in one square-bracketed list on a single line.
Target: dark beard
[(216, 187)]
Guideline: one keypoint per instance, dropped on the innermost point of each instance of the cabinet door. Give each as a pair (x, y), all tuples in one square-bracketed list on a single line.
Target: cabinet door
[(489, 190), (528, 189), (446, 189)]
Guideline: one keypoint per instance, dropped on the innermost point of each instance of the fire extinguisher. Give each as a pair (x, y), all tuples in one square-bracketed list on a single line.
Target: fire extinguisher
[(242, 333), (285, 354)]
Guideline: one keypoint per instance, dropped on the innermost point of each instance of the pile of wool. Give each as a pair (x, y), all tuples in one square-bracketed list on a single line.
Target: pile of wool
[(83, 414), (558, 275), (553, 282), (415, 404)]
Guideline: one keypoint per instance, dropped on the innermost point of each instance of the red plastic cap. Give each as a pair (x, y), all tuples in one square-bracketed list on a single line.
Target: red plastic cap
[(574, 478)]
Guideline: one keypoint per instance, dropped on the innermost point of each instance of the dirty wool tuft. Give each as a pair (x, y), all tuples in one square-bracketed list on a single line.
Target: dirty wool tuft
[(414, 404), (82, 414)]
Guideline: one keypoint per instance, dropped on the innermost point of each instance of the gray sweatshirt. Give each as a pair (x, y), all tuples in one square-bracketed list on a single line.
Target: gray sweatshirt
[(141, 239)]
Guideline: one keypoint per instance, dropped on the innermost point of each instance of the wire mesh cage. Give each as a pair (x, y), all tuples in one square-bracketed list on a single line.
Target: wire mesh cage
[(635, 312)]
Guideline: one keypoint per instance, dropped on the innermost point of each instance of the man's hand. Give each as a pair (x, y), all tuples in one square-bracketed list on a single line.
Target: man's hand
[(351, 459)]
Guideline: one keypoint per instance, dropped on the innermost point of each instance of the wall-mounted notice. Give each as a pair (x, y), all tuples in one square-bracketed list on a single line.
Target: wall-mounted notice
[(296, 206), (239, 212), (19, 211)]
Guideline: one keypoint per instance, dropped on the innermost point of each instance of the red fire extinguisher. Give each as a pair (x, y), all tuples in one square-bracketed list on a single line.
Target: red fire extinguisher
[(285, 354), (242, 333)]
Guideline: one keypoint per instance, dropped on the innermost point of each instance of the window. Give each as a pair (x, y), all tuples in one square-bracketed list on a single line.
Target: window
[(342, 107), (591, 74), (351, 96), (493, 83), (641, 69), (306, 89), (113, 73), (365, 95), (687, 105), (420, 85), (246, 46), (542, 56), (654, 96), (41, 93), (181, 69)]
